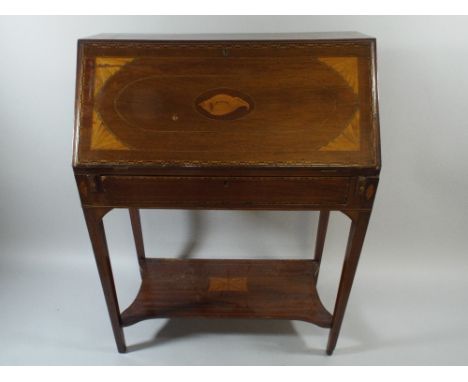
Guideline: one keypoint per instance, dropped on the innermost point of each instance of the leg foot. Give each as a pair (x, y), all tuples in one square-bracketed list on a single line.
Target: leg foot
[(121, 348)]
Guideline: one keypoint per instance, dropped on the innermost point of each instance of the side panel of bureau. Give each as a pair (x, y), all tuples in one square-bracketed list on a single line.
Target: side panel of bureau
[(215, 192)]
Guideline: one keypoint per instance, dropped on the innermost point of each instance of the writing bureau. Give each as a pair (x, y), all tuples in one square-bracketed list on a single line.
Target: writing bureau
[(265, 122)]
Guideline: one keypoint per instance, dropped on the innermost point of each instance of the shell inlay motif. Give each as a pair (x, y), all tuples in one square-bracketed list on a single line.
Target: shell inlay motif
[(222, 104)]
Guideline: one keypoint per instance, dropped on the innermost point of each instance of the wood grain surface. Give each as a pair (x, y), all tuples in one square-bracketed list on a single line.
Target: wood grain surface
[(249, 104), (228, 288)]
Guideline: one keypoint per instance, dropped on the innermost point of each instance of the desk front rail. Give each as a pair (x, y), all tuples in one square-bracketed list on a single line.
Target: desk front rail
[(224, 192)]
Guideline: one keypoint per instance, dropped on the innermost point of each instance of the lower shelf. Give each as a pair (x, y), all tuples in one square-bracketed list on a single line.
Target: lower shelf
[(281, 289)]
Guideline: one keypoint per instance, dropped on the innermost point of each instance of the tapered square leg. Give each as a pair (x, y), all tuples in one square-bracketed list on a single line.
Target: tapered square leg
[(321, 235), (97, 235), (353, 250), (137, 235)]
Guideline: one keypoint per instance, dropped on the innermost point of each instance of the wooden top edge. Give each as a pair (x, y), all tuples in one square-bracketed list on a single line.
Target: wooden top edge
[(121, 169), (230, 37)]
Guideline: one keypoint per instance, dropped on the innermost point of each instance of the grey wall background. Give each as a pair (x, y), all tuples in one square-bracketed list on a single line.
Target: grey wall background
[(412, 275)]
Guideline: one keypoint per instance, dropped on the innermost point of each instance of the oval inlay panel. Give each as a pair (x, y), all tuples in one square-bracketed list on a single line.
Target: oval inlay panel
[(193, 107), (224, 104)]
